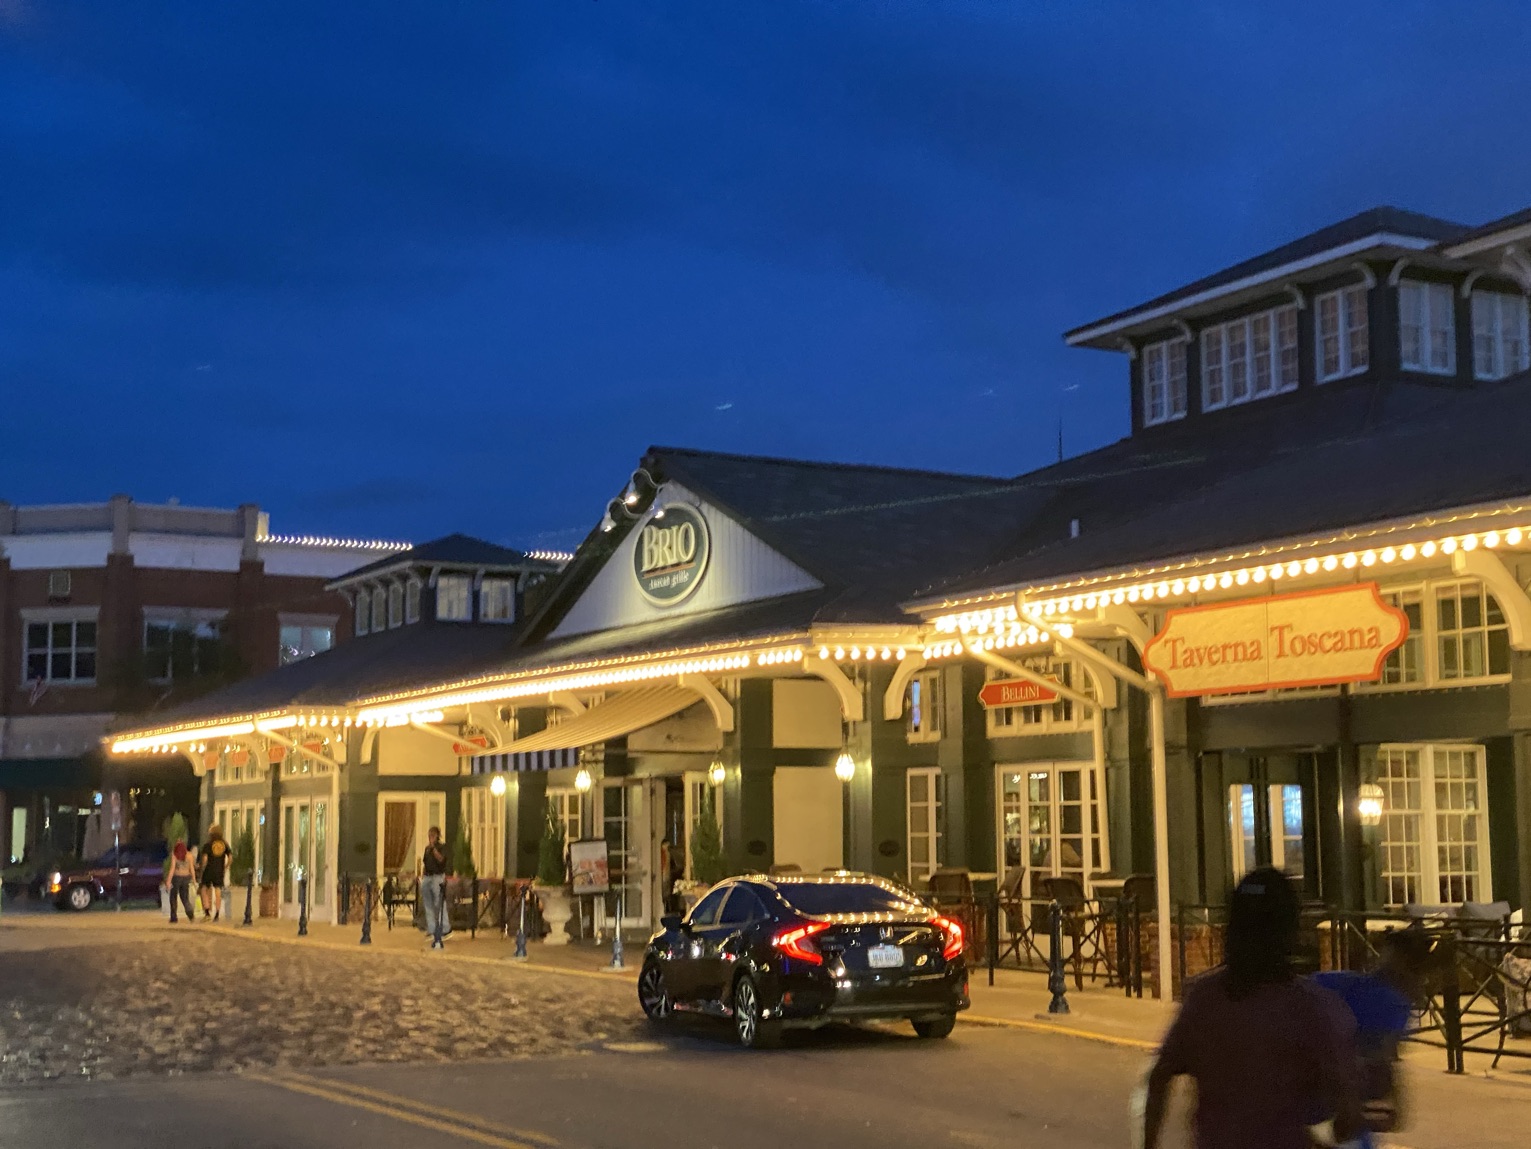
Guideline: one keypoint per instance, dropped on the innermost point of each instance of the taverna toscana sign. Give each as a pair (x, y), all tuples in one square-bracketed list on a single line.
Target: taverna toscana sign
[(1311, 638)]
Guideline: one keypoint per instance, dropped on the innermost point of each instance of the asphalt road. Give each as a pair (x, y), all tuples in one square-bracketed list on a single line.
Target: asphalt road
[(851, 1089)]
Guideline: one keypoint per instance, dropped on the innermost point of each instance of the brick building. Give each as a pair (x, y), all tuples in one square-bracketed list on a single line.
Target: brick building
[(111, 612)]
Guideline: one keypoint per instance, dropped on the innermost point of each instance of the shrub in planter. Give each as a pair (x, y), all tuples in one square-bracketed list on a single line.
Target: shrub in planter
[(242, 860), (552, 879), (459, 890), (708, 865)]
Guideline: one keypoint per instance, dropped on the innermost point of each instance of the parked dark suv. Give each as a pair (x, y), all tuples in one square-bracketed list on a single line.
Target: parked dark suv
[(141, 868)]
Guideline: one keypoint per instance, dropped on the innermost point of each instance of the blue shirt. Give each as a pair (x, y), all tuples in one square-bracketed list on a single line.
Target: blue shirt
[(1381, 1012)]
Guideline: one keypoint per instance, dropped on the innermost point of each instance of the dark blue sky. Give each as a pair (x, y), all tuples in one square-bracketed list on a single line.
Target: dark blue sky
[(396, 269)]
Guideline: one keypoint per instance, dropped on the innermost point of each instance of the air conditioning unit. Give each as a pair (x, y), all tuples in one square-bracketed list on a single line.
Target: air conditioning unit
[(59, 584)]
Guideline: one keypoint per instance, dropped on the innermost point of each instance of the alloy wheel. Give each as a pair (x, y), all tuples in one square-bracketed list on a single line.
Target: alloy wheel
[(80, 898), (746, 1012), (652, 994)]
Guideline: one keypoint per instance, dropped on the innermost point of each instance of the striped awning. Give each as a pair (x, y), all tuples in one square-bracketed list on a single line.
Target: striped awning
[(618, 715)]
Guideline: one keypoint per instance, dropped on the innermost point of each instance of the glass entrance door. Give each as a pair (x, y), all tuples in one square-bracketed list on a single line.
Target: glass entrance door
[(632, 822), (305, 852), (1051, 822), (1265, 828)]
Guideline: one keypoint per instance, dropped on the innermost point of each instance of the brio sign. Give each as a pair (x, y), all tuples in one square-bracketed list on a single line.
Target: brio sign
[(1313, 638), (671, 554)]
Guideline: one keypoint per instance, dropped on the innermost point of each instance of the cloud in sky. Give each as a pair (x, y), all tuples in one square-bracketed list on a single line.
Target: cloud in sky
[(419, 268)]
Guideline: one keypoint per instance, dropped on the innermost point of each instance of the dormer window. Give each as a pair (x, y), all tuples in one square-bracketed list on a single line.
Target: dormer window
[(1427, 334), (363, 622), (454, 598), (1500, 339), (395, 606), (497, 600), (379, 609), (412, 601), (1344, 343), (1164, 387), (1249, 358)]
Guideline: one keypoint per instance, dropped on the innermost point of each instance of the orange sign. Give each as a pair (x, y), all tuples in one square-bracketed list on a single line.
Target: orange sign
[(1312, 638), (1014, 692)]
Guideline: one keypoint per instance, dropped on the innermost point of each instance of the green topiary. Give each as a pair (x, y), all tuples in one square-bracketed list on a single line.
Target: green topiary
[(552, 868), (707, 862), (462, 854), (242, 860)]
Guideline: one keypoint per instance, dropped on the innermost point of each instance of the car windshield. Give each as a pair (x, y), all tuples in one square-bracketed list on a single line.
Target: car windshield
[(847, 898)]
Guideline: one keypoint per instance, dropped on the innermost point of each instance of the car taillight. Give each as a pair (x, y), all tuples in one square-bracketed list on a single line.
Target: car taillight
[(952, 932), (797, 942)]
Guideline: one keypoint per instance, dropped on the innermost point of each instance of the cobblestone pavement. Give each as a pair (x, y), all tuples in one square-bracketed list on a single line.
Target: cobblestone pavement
[(151, 1001)]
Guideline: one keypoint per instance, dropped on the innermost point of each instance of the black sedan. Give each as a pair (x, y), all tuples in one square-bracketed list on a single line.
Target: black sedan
[(776, 952)]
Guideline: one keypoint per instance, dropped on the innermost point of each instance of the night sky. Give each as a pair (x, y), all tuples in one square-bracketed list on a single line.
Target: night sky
[(397, 270)]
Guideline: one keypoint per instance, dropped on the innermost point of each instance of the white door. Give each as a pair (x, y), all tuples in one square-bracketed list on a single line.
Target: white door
[(307, 842), (632, 822), (924, 793), (809, 807), (1051, 822), (1271, 827)]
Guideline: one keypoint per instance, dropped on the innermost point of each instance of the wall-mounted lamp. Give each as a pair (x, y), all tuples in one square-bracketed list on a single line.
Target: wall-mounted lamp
[(497, 785), (1369, 803), (718, 773), (845, 766), (582, 780)]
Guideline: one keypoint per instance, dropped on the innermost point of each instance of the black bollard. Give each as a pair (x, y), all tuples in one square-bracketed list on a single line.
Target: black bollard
[(366, 917), (345, 899), (1056, 982), (473, 920), (249, 896), (438, 941), (616, 939), (303, 905), (520, 954)]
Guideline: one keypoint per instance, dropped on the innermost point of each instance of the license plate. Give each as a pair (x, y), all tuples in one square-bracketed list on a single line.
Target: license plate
[(885, 957)]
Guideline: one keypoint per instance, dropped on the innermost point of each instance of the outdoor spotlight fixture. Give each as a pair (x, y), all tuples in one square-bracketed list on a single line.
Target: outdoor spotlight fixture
[(497, 785), (717, 773), (845, 766), (1369, 803), (582, 781)]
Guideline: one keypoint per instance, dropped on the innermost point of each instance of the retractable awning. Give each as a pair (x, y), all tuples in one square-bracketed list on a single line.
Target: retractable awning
[(628, 711)]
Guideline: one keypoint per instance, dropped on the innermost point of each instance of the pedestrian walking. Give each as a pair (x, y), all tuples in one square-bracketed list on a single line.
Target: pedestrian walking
[(1269, 1052), (1381, 1002), (178, 880), (212, 871), (434, 868)]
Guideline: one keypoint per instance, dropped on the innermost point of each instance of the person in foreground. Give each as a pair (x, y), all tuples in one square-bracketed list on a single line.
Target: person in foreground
[(1270, 1052), (1381, 1004)]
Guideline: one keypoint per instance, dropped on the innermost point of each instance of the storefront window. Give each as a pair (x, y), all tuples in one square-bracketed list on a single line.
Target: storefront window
[(926, 809), (1433, 839), (482, 814), (1457, 634), (1051, 822), (1048, 717)]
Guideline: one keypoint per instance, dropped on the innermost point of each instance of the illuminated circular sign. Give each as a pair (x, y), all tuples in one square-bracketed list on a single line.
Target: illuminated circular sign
[(671, 554)]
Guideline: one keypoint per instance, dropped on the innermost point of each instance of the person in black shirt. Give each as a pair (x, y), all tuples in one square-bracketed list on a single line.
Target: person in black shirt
[(434, 868), (214, 868)]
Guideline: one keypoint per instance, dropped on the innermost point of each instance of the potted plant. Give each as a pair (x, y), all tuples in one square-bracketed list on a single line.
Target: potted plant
[(552, 879), (708, 865), (241, 864), (459, 891)]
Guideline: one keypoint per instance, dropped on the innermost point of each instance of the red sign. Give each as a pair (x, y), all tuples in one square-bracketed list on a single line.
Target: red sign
[(470, 746), (1014, 692)]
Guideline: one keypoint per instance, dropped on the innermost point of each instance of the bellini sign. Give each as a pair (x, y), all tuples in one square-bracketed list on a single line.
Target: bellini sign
[(1314, 638), (671, 554)]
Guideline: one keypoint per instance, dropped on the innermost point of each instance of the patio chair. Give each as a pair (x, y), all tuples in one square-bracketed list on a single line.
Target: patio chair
[(951, 890), (1080, 925), (1017, 940)]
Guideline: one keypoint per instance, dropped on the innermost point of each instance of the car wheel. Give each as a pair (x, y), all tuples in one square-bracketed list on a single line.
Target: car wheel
[(653, 996), (934, 1027), (80, 897), (752, 1030)]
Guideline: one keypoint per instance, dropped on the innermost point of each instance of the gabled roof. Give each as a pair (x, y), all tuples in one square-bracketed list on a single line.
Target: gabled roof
[(1379, 228), (1512, 228), (1344, 457), (454, 550)]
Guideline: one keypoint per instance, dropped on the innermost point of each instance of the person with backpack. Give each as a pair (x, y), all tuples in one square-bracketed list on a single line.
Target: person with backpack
[(178, 879), (1269, 1051), (1381, 1003)]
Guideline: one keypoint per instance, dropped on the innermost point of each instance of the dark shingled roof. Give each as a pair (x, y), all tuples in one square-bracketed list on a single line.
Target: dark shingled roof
[(451, 550), (1275, 469), (1377, 221), (1513, 220)]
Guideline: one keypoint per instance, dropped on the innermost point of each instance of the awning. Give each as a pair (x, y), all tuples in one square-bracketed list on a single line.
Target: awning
[(502, 763), (628, 711)]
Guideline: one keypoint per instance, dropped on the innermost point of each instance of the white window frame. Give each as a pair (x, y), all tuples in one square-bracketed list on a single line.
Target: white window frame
[(1429, 819), (232, 817), (570, 806), (1434, 301), (1275, 795), (362, 623), (922, 710), (1164, 381), (1424, 644), (1061, 716), (926, 823), (49, 616), (497, 600), (308, 626), (1501, 334), (395, 605), (412, 601), (1276, 362), (483, 815), (379, 609), (1096, 829), (457, 583), (1352, 339)]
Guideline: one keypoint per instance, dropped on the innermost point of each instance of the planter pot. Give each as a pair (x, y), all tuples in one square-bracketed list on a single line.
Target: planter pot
[(557, 909), (268, 903)]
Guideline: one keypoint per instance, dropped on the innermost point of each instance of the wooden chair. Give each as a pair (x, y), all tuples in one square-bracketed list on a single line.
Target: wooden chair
[(1080, 925), (1019, 940)]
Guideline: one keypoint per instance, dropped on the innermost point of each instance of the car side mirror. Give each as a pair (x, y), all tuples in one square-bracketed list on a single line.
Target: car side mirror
[(672, 922)]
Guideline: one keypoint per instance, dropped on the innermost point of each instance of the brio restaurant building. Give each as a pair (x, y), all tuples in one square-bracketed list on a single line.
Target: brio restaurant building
[(1283, 621)]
